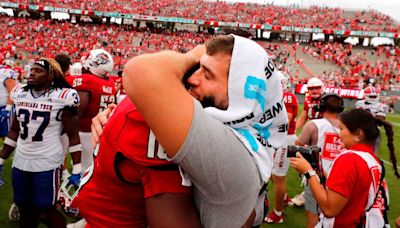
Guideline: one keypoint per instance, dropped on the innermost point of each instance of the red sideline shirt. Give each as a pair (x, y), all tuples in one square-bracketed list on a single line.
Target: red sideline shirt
[(351, 177), (128, 167)]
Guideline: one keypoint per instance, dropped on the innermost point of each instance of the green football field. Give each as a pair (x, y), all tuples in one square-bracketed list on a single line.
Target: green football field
[(295, 216)]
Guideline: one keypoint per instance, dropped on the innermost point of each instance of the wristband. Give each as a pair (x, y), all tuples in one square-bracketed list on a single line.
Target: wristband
[(75, 148), (10, 142), (1, 161), (310, 173), (8, 107), (77, 168)]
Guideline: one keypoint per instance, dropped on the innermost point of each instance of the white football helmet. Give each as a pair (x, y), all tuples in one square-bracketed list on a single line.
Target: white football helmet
[(372, 94), (315, 87), (65, 197), (99, 62), (285, 80)]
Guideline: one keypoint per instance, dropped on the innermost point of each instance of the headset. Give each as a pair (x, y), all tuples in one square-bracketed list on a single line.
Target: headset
[(322, 106)]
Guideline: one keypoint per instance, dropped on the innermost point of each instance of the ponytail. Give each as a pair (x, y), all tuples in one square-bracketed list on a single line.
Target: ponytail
[(389, 133)]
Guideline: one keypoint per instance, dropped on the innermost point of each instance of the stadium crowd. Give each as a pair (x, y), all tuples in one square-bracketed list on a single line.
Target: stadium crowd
[(314, 17), (27, 38), (49, 37), (354, 67)]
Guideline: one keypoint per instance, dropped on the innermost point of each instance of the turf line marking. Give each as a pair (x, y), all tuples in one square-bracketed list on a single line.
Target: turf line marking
[(388, 163)]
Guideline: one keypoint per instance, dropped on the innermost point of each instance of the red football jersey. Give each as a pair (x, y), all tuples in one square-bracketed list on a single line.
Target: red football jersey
[(309, 105), (129, 166), (102, 93), (292, 106)]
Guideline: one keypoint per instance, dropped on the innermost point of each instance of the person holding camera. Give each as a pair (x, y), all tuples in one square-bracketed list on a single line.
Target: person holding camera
[(355, 174), (323, 133)]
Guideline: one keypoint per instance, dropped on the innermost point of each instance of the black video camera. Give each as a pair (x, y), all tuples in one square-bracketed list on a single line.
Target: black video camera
[(311, 154)]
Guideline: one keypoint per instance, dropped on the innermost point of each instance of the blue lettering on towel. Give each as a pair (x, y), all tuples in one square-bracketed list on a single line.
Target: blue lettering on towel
[(249, 137), (255, 88)]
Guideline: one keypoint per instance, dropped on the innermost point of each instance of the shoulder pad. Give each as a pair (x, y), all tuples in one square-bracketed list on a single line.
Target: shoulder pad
[(16, 92), (68, 96), (8, 73)]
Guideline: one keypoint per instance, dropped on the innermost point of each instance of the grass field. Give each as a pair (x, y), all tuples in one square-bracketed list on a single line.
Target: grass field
[(295, 217)]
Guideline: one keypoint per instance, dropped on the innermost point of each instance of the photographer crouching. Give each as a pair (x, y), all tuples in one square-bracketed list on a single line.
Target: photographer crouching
[(320, 135)]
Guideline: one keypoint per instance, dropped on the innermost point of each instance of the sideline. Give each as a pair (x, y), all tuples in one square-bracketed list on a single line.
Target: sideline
[(389, 163), (395, 124)]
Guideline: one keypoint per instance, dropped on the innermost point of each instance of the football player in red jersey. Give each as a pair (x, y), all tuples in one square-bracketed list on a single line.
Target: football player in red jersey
[(311, 100), (315, 91), (217, 200), (131, 184), (96, 91), (281, 162)]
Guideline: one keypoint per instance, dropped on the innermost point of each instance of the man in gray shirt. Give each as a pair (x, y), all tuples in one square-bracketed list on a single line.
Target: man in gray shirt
[(224, 150)]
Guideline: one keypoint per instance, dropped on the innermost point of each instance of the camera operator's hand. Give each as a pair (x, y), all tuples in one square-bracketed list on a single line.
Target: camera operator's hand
[(300, 164)]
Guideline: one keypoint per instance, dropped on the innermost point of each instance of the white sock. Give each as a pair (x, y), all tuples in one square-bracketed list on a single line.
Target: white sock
[(278, 213), (65, 173)]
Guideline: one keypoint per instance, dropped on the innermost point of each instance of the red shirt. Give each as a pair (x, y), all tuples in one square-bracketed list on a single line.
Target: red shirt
[(129, 167), (309, 104), (101, 92), (351, 177), (292, 107)]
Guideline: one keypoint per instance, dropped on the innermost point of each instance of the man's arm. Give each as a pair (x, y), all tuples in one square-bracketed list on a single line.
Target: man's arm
[(70, 125), (178, 210), (12, 135), (153, 83), (302, 120), (84, 97), (10, 84), (309, 136)]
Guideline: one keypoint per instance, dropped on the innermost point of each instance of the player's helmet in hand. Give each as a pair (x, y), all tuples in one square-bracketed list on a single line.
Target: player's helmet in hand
[(65, 198), (99, 62)]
